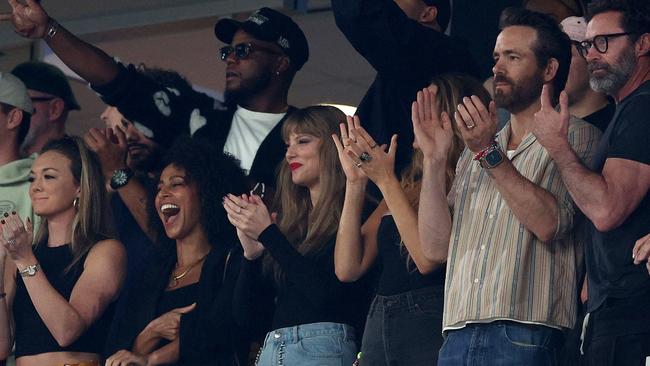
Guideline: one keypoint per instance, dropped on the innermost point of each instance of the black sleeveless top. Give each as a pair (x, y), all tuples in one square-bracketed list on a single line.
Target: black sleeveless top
[(32, 336), (395, 277)]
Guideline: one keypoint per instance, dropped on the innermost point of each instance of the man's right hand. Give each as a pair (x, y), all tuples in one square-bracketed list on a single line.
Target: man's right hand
[(432, 128), (29, 20), (111, 148)]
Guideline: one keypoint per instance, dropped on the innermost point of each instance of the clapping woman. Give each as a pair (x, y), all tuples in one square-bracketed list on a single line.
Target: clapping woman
[(59, 292), (405, 318), (313, 311)]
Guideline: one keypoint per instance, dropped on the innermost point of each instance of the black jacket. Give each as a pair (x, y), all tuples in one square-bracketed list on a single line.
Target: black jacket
[(208, 334), (406, 55), (169, 113)]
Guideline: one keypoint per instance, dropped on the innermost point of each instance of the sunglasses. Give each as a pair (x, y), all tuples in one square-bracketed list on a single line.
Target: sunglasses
[(600, 42), (243, 50)]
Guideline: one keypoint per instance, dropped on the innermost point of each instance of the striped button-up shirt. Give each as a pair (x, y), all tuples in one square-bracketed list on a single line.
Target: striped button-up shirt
[(497, 269)]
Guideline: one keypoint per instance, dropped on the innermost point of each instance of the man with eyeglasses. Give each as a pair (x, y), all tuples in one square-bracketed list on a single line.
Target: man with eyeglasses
[(52, 98), (615, 194), (263, 54)]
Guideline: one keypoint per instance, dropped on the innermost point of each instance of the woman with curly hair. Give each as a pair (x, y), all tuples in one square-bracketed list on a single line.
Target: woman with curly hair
[(59, 293), (314, 312), (181, 307)]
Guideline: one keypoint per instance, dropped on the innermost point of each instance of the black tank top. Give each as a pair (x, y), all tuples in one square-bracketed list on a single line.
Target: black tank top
[(179, 298), (32, 336), (395, 278)]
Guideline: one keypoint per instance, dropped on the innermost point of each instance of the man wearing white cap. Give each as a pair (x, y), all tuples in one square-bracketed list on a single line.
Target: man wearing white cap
[(15, 113), (592, 106)]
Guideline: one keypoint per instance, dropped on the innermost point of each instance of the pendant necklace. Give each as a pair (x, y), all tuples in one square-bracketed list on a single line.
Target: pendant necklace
[(173, 282)]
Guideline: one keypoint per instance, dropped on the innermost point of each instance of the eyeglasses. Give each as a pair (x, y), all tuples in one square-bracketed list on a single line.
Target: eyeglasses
[(41, 99), (600, 42), (243, 50)]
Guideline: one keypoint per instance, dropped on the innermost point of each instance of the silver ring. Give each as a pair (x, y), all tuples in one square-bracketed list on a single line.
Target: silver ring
[(469, 127), (238, 209), (11, 241), (365, 157), (359, 164), (373, 146)]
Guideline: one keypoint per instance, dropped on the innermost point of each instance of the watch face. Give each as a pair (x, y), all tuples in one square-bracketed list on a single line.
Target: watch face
[(120, 177), (493, 159)]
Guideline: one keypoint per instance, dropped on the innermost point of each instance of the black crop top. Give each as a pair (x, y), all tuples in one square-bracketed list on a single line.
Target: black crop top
[(395, 278), (32, 335)]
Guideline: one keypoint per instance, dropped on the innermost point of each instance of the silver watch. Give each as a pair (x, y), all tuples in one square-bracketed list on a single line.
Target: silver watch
[(30, 271)]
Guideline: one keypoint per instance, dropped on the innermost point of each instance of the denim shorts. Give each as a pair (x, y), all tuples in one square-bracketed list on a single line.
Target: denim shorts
[(321, 344), (404, 329)]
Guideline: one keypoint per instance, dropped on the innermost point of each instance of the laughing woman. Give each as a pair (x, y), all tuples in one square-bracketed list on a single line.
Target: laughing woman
[(180, 309), (58, 292), (313, 311)]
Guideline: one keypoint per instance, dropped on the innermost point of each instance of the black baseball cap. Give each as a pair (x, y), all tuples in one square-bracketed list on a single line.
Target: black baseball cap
[(46, 78), (269, 25)]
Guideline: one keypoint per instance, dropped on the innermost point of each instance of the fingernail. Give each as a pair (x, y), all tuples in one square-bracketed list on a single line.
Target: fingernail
[(13, 212), (29, 220), (6, 214), (2, 222)]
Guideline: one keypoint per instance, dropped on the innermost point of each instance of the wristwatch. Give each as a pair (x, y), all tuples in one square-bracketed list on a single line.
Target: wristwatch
[(30, 271), (120, 178), (492, 159)]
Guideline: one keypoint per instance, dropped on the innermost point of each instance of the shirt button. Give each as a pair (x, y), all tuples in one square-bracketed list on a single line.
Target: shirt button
[(476, 280), (491, 216), (483, 247)]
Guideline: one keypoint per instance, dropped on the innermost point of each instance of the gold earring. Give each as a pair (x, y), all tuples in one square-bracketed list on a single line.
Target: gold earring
[(75, 203)]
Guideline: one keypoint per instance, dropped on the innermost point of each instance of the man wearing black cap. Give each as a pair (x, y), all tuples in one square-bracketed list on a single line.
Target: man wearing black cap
[(404, 41), (52, 98), (263, 55)]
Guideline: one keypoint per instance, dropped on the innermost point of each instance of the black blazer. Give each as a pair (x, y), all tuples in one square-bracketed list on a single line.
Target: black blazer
[(208, 334)]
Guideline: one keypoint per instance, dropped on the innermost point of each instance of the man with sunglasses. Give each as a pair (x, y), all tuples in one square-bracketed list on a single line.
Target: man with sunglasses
[(264, 53), (52, 98), (615, 193), (405, 43)]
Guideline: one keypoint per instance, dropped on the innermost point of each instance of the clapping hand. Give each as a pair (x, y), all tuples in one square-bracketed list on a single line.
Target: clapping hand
[(352, 173), (641, 252), (432, 129), (30, 20), (110, 146), (248, 214), (16, 238), (476, 123)]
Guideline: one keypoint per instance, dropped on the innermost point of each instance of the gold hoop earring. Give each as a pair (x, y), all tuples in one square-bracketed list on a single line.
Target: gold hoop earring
[(75, 203)]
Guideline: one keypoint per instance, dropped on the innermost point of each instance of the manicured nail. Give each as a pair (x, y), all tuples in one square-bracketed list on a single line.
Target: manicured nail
[(13, 212), (2, 222), (6, 214)]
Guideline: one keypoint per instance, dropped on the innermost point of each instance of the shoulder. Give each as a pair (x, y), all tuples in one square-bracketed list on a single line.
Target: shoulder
[(107, 251)]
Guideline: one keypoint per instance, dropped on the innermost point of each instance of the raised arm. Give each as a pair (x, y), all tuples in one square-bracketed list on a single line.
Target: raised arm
[(356, 246), (608, 198), (91, 63), (379, 166), (7, 291), (98, 285), (433, 134)]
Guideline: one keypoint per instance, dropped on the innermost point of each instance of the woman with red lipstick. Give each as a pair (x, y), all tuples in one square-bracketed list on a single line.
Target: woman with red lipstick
[(58, 295), (181, 308), (314, 311), (404, 323)]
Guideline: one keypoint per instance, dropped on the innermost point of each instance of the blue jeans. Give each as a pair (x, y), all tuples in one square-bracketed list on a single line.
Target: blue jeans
[(322, 344), (501, 343), (404, 329)]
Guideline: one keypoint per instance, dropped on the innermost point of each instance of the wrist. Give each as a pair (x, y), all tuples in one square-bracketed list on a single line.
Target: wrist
[(558, 150), (387, 183), (23, 263), (51, 29)]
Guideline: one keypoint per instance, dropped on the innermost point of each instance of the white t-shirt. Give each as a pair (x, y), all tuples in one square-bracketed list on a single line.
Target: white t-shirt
[(247, 132)]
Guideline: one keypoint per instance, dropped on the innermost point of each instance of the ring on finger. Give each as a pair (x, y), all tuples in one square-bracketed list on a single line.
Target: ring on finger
[(365, 157), (373, 146), (238, 209), (470, 125), (359, 164), (11, 242)]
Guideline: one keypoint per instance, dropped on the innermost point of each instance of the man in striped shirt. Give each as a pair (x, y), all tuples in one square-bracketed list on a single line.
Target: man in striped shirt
[(511, 283)]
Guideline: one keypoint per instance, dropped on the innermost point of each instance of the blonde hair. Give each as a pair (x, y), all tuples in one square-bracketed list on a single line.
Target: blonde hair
[(91, 223), (452, 88), (309, 227)]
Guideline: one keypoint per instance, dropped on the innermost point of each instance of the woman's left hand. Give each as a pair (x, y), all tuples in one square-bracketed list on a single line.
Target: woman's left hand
[(127, 358), (17, 239), (248, 214), (377, 163)]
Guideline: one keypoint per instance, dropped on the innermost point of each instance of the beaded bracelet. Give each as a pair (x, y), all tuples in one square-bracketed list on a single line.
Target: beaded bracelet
[(481, 154)]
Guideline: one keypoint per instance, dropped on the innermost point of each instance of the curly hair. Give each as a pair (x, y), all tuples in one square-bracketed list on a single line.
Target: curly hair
[(215, 174)]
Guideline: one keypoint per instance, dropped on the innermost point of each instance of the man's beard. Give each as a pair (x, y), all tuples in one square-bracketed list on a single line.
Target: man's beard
[(247, 89), (616, 74), (522, 93), (151, 162)]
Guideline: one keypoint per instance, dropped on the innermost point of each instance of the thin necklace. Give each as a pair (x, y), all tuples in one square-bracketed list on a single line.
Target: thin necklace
[(173, 282)]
